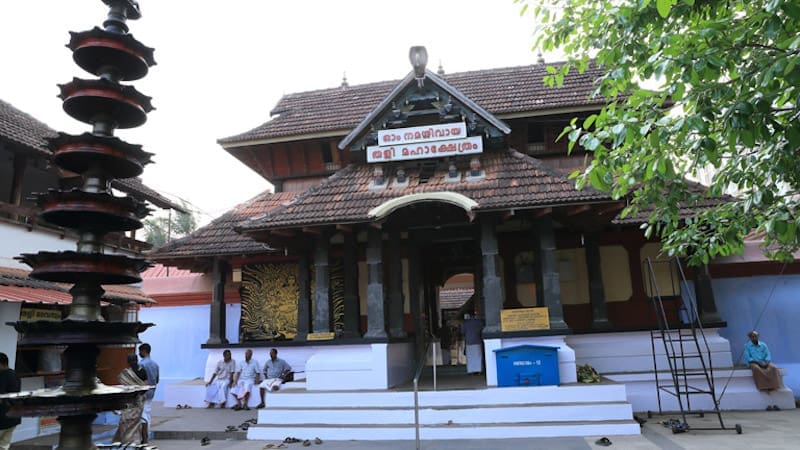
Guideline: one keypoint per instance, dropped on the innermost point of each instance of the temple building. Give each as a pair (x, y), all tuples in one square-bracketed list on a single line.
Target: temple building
[(389, 195)]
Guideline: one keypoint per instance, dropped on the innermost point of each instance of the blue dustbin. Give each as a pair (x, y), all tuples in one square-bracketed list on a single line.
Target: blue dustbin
[(527, 365)]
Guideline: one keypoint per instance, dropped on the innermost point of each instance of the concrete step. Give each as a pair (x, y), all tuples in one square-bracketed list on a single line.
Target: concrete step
[(490, 396), (483, 414), (453, 431)]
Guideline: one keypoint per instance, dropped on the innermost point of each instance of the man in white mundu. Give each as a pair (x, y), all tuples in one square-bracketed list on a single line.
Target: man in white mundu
[(275, 371), (221, 381), (247, 374)]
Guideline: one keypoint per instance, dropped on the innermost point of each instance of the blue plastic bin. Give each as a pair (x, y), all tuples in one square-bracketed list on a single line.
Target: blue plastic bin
[(527, 365)]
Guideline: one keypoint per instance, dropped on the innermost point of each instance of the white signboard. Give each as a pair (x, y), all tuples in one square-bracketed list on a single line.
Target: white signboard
[(466, 146), (440, 132)]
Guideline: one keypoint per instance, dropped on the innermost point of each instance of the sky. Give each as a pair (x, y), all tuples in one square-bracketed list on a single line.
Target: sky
[(223, 65)]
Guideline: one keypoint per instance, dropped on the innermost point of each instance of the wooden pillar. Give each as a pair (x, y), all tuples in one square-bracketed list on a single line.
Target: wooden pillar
[(548, 272), (322, 313), (597, 296), (492, 290), (17, 178), (396, 299), (414, 286), (352, 311), (304, 296), (376, 319), (704, 294), (216, 331)]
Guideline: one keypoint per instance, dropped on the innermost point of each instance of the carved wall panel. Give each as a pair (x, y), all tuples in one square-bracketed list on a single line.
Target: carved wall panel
[(269, 295)]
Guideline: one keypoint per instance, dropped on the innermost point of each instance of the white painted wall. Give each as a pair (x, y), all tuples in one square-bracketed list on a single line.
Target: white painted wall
[(9, 312)]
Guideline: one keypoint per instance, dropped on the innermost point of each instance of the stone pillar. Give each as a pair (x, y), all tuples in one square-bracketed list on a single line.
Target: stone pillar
[(492, 290), (396, 299), (304, 296), (548, 269), (352, 312), (216, 331), (704, 293), (322, 313), (597, 296), (376, 319)]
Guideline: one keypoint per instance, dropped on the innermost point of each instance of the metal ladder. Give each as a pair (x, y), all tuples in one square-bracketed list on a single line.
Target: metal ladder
[(688, 362)]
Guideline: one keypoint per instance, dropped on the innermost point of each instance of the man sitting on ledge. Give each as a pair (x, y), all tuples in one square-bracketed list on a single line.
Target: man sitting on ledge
[(765, 374), (275, 372)]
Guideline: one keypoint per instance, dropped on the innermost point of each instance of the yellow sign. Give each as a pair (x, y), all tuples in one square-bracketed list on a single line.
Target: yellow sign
[(320, 336), (31, 314), (522, 319)]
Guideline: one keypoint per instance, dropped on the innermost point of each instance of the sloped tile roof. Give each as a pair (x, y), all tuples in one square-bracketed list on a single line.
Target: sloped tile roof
[(136, 188), (218, 238), (500, 91), (513, 180), (15, 286), (23, 129)]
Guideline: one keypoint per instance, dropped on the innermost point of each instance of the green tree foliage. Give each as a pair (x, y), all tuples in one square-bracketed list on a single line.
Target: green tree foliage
[(165, 227), (696, 87)]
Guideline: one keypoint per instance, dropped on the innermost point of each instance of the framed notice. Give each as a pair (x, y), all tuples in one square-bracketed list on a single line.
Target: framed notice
[(320, 336), (523, 319)]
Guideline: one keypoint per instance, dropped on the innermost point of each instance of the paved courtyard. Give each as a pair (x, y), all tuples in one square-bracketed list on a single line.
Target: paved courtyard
[(183, 428)]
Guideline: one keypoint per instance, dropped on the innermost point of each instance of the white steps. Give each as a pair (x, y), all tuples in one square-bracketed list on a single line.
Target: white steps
[(544, 411)]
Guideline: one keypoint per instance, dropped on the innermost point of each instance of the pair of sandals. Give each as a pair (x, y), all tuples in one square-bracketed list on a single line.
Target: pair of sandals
[(306, 443), (281, 445), (183, 407), (205, 441), (773, 408), (604, 441), (241, 408)]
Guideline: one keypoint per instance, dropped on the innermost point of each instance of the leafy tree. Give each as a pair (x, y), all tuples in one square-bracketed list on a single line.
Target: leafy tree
[(162, 229), (696, 87)]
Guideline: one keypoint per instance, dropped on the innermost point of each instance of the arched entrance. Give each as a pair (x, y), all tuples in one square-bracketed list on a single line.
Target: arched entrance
[(441, 244)]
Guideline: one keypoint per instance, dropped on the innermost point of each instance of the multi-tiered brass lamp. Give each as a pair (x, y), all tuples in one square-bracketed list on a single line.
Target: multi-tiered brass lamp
[(92, 210)]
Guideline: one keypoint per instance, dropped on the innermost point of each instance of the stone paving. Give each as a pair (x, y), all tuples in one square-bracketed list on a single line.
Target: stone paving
[(183, 428)]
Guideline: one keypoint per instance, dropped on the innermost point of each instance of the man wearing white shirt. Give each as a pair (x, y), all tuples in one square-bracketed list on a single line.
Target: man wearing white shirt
[(247, 374)]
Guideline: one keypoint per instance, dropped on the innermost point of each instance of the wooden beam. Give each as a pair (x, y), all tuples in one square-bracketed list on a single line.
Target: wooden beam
[(508, 214), (541, 212), (577, 210), (312, 230), (608, 208), (283, 233), (344, 228)]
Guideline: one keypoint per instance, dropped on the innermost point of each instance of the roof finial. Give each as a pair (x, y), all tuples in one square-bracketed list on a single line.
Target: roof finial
[(441, 69), (539, 59), (419, 58), (344, 80)]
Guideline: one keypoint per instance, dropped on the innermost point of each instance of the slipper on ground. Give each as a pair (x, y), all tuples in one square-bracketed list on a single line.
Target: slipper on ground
[(604, 441)]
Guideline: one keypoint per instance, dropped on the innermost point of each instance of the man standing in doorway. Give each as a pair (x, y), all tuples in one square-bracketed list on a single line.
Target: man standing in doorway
[(471, 329), (151, 368), (9, 382)]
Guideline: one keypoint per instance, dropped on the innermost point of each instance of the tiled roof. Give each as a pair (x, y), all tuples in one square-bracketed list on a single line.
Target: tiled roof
[(643, 215), (500, 91), (136, 188), (455, 297), (513, 180), (218, 237), (22, 129), (15, 286)]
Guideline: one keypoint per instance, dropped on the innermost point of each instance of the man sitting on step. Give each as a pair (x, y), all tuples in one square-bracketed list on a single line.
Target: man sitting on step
[(275, 372), (765, 374)]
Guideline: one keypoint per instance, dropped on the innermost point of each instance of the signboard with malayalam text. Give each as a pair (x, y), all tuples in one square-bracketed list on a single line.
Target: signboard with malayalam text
[(420, 150), (524, 319), (429, 133)]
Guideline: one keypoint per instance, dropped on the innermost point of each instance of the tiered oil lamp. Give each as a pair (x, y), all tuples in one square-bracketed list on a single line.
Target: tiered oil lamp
[(92, 210)]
